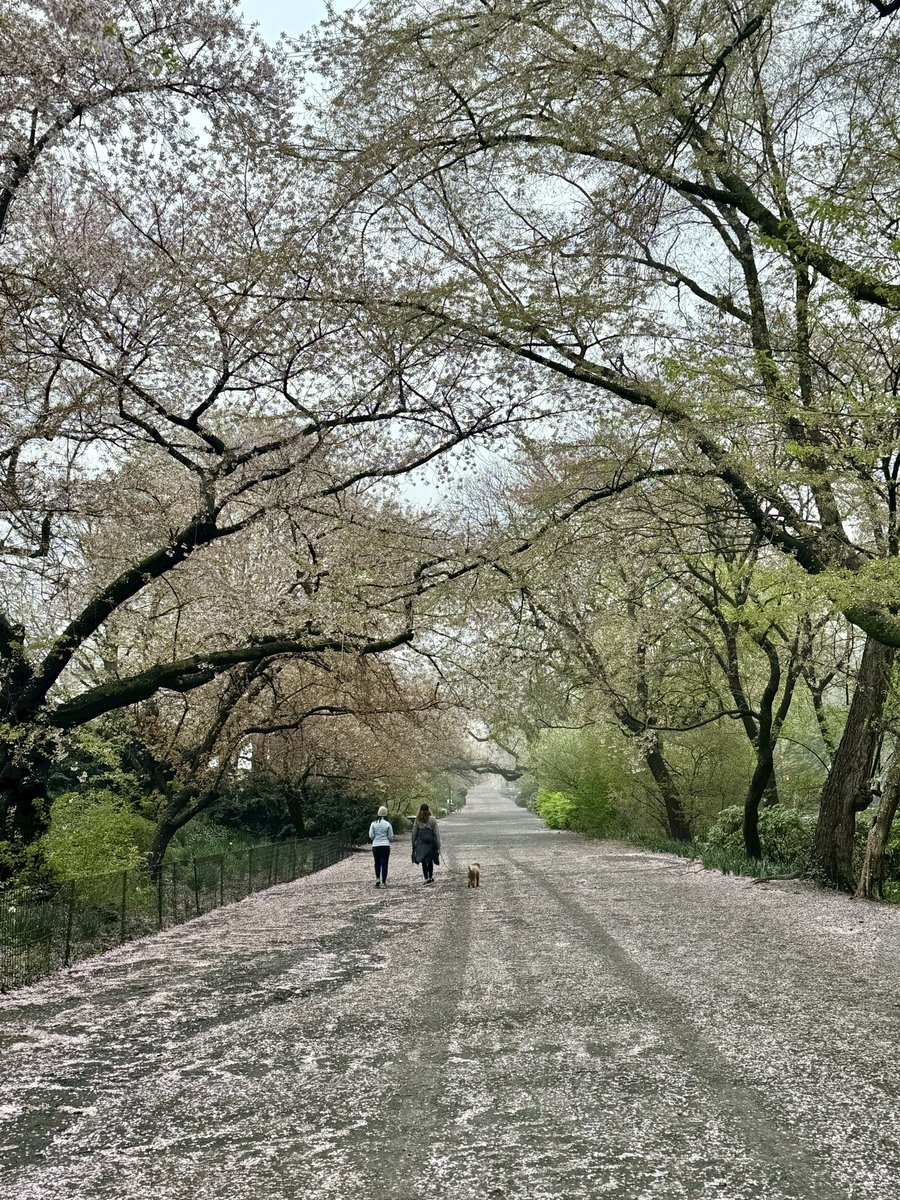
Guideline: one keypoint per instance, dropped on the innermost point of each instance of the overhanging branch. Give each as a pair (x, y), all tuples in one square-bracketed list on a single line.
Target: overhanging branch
[(186, 674)]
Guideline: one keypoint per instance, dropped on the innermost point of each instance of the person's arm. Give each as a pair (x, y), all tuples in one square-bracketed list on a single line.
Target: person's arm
[(437, 832), (390, 831), (372, 831)]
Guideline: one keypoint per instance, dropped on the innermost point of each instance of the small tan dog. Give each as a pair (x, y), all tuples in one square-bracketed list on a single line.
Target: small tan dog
[(474, 875)]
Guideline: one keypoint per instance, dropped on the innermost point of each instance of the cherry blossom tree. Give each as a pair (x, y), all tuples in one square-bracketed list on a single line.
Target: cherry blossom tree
[(687, 213), (178, 367)]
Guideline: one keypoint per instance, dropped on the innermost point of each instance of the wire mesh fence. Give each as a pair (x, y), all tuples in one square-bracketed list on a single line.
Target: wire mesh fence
[(43, 931)]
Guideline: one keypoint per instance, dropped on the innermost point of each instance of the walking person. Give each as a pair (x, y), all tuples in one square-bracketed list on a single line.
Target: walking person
[(426, 843), (381, 834)]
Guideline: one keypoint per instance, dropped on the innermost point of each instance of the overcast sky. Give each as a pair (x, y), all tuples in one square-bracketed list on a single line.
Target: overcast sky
[(284, 16)]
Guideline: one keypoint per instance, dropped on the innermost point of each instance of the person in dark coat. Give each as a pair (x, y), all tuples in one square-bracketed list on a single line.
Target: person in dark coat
[(426, 842)]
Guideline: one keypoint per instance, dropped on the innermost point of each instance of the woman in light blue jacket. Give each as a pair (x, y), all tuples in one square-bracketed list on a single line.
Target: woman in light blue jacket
[(381, 834)]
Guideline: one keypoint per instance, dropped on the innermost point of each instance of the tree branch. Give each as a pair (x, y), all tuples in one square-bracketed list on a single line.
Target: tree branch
[(188, 673)]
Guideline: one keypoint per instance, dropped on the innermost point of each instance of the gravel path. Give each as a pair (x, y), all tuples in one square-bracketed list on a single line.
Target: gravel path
[(594, 1022)]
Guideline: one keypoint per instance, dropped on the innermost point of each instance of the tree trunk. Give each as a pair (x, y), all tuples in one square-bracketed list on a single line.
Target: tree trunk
[(759, 782), (162, 836), (770, 796), (871, 877), (847, 788), (25, 758), (676, 820), (764, 744), (296, 797), (816, 695), (178, 811)]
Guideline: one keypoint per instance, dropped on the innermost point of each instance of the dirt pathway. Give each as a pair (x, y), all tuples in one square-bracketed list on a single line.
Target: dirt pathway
[(594, 1022)]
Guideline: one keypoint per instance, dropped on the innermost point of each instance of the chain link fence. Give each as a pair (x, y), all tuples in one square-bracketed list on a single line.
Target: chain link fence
[(41, 932)]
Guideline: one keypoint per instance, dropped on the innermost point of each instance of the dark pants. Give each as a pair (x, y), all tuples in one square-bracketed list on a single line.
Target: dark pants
[(382, 854), (428, 867)]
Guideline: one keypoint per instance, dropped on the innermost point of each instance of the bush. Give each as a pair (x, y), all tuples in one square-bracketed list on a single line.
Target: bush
[(94, 833), (891, 852), (202, 838), (786, 834), (595, 812), (526, 797), (574, 771), (555, 808)]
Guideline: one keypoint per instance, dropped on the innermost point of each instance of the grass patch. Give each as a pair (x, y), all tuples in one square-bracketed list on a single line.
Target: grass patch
[(728, 861), (667, 845), (731, 862)]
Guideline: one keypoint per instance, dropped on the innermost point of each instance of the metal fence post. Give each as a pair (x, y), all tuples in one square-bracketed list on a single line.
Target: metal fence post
[(196, 889), (221, 879), (174, 893), (70, 917), (249, 870), (122, 907), (159, 898), (275, 863), (293, 860)]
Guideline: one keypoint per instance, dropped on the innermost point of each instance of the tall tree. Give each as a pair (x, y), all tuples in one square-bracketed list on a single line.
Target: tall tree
[(172, 378), (634, 203)]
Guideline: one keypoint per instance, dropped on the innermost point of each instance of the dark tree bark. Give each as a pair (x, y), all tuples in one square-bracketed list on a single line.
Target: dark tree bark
[(765, 758), (296, 803), (165, 830), (770, 795), (761, 726), (870, 885), (847, 790), (25, 760), (763, 787), (677, 823), (466, 766)]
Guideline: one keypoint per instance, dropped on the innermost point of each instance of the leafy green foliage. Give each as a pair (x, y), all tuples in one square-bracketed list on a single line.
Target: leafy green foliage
[(102, 808), (104, 761), (574, 772), (555, 808), (203, 838), (786, 834), (93, 833), (261, 807), (736, 862)]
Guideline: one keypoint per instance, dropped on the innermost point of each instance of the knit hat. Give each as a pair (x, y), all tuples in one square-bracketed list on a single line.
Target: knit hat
[(382, 812)]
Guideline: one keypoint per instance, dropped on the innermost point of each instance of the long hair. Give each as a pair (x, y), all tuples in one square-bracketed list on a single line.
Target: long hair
[(423, 814)]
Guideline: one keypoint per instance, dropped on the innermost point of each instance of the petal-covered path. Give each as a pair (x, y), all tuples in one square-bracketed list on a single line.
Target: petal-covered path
[(594, 1022)]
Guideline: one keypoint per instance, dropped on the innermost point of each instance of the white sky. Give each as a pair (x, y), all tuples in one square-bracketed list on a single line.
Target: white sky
[(285, 16)]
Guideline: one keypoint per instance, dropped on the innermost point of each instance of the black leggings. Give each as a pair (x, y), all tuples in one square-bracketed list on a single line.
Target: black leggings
[(428, 867), (382, 854)]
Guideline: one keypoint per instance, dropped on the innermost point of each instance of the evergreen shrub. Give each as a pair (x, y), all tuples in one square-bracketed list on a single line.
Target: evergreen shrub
[(786, 834)]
